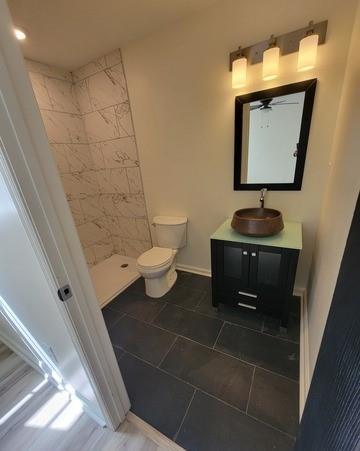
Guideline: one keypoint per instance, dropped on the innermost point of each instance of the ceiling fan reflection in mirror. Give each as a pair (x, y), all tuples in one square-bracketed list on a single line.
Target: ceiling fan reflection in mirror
[(266, 104)]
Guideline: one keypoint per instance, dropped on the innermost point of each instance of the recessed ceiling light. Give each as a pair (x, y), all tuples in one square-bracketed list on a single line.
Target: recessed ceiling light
[(20, 34)]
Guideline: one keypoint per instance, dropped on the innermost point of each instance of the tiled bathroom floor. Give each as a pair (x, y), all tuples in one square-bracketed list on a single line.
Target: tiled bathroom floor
[(209, 380)]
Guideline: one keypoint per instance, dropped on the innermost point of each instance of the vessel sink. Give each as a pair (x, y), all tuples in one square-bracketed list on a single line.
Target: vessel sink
[(257, 221)]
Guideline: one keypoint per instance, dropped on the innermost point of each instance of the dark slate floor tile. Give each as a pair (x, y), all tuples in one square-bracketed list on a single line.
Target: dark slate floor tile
[(211, 425), (272, 326), (118, 353), (184, 296), (241, 316), (138, 285), (193, 280), (200, 328), (110, 317), (220, 375), (144, 340), (272, 353), (156, 397), (275, 400), (137, 305)]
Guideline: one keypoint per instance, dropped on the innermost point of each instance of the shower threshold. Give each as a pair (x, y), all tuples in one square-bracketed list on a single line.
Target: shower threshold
[(112, 276)]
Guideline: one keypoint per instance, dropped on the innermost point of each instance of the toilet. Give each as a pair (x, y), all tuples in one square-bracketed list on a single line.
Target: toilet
[(157, 265)]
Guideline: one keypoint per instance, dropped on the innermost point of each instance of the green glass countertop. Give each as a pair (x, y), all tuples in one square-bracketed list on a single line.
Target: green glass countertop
[(290, 237)]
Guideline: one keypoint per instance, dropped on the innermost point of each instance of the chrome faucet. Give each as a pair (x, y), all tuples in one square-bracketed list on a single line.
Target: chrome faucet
[(262, 197)]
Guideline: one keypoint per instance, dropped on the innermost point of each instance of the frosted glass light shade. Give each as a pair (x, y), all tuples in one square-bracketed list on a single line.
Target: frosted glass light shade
[(239, 68), (307, 52), (271, 63)]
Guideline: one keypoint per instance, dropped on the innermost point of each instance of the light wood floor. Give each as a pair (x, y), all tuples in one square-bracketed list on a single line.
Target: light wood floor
[(35, 416)]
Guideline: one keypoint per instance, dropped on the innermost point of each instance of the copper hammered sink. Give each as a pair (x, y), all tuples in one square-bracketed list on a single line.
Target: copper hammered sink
[(257, 221)]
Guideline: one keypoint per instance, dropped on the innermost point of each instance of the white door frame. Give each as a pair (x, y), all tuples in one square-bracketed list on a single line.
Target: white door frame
[(38, 184)]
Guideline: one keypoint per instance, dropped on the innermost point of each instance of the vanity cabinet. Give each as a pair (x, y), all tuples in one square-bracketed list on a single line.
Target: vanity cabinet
[(255, 273)]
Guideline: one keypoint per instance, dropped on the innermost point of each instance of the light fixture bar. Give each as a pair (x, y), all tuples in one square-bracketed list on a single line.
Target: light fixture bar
[(288, 43)]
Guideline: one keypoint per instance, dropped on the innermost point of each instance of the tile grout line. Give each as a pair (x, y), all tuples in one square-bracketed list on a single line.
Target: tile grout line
[(245, 362), (217, 338), (205, 392), (168, 351), (186, 412), (251, 385)]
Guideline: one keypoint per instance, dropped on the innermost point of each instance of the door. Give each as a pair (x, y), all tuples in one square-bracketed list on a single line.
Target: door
[(233, 265), (268, 269), (331, 418)]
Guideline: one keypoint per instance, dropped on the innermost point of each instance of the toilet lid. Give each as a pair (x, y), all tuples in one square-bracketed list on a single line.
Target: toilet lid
[(157, 256)]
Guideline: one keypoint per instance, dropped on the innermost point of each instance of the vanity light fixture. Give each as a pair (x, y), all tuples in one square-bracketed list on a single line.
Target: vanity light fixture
[(239, 68), (308, 50), (19, 34), (271, 60), (304, 40)]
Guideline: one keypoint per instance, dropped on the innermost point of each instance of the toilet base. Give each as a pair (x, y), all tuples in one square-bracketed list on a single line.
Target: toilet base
[(157, 287)]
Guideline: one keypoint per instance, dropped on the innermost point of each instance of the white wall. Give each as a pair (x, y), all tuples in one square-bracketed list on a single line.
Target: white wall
[(24, 287), (339, 202), (183, 110)]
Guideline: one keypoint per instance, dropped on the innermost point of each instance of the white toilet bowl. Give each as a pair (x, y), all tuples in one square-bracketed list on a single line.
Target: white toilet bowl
[(157, 266)]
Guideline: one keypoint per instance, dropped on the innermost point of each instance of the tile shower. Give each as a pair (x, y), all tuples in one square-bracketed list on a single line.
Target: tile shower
[(88, 122)]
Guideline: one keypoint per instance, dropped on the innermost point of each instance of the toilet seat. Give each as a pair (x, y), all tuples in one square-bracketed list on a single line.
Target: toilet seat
[(156, 257)]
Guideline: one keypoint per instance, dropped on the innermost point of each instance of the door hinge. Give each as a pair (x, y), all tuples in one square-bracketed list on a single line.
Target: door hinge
[(64, 293)]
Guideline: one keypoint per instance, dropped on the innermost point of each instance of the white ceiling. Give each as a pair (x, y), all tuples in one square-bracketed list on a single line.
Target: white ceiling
[(70, 33)]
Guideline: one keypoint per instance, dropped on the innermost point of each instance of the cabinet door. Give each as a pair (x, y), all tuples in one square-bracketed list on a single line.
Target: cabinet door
[(268, 269), (233, 265)]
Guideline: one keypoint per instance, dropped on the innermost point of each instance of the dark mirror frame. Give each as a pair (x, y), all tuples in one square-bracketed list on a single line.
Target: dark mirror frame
[(309, 86)]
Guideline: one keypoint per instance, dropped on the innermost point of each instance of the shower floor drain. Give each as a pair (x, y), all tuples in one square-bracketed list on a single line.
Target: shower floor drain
[(124, 265)]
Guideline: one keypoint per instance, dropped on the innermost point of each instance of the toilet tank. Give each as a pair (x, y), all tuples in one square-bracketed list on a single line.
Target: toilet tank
[(170, 231)]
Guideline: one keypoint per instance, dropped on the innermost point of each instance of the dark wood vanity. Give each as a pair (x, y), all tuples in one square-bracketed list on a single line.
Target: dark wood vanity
[(255, 273)]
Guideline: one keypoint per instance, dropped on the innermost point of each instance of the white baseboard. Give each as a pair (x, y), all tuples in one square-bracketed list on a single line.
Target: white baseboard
[(304, 376), (194, 269)]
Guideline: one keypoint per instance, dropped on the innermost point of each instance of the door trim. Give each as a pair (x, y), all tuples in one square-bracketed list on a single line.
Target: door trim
[(37, 181)]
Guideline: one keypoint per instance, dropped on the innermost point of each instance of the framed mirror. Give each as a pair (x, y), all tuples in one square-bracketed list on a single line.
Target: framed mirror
[(271, 136)]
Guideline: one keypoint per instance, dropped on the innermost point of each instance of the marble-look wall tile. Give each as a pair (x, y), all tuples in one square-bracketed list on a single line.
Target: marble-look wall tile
[(89, 256), (134, 248), (124, 120), (143, 229), (76, 211), (80, 185), (128, 228), (62, 95), (59, 152), (107, 88), (97, 156), (89, 69), (101, 125), (103, 250), (120, 153), (92, 233), (88, 120), (113, 58), (124, 205), (49, 71), (79, 157), (134, 179), (40, 90), (91, 208), (118, 245), (63, 127), (112, 181), (83, 97)]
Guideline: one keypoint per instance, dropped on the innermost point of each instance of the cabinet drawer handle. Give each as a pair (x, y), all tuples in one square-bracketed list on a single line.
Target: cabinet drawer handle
[(245, 253), (253, 254), (247, 306), (247, 294)]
